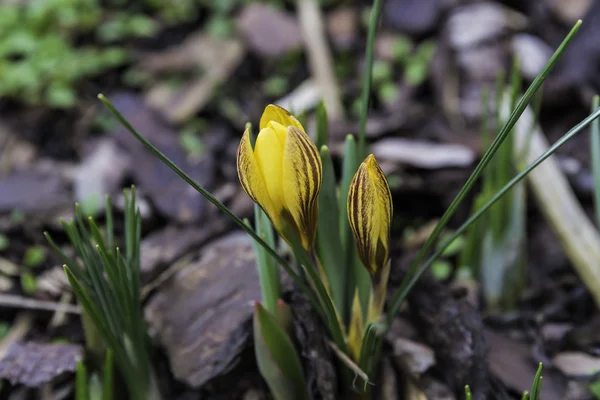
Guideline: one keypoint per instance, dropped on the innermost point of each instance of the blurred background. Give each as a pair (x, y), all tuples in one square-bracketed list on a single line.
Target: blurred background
[(188, 75)]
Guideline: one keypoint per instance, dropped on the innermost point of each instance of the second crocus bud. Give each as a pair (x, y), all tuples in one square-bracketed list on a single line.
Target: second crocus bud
[(370, 214)]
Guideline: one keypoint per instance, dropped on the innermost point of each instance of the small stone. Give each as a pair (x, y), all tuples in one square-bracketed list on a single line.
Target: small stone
[(342, 26), (268, 31), (33, 364), (203, 315), (569, 11), (414, 17)]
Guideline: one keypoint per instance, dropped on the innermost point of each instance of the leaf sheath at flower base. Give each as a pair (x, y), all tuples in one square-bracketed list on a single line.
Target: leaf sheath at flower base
[(277, 358)]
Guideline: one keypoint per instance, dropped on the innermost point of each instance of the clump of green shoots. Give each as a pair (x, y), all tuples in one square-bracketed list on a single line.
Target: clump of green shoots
[(106, 282), (495, 249)]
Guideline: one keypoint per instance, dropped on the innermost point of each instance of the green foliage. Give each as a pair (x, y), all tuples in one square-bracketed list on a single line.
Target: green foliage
[(28, 282), (94, 386), (4, 329), (34, 256), (275, 86), (277, 358), (329, 245), (49, 46), (191, 143), (409, 61), (39, 62), (4, 242), (106, 283)]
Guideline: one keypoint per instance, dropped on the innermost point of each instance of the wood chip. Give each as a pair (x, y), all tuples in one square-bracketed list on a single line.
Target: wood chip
[(33, 364), (422, 154), (203, 316), (577, 364), (268, 31)]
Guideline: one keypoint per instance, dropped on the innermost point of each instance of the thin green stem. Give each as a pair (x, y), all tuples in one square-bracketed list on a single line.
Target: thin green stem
[(367, 78), (506, 129), (327, 305)]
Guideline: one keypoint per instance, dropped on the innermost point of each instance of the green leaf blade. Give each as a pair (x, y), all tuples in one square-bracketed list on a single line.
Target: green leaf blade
[(277, 358)]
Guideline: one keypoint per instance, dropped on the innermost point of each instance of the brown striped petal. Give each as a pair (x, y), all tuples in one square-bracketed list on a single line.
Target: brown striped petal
[(252, 180), (302, 174), (370, 213)]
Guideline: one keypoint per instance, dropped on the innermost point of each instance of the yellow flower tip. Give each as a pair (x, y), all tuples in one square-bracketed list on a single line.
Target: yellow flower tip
[(279, 115), (283, 174), (370, 209)]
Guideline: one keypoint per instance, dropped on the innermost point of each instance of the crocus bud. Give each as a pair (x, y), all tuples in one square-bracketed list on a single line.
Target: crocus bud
[(370, 214), (282, 174)]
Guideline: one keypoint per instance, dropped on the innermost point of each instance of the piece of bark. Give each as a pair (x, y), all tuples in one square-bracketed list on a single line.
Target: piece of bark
[(511, 362), (164, 247), (312, 337), (33, 364), (268, 31), (203, 315), (22, 190), (101, 172)]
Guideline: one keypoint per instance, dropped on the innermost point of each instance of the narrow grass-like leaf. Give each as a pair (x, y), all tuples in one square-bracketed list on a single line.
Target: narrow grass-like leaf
[(277, 358), (506, 129), (88, 304), (110, 234), (368, 358), (107, 377), (537, 384), (81, 382), (403, 292), (595, 145), (329, 246), (498, 238), (358, 278), (350, 164), (468, 395), (368, 78), (322, 135), (66, 260)]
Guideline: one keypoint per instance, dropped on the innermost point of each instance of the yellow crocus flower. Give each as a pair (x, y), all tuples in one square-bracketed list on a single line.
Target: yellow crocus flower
[(370, 214), (282, 174)]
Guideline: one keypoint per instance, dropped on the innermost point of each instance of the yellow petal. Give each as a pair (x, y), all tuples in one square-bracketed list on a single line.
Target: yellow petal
[(302, 174), (370, 214), (280, 115), (268, 152), (252, 180)]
